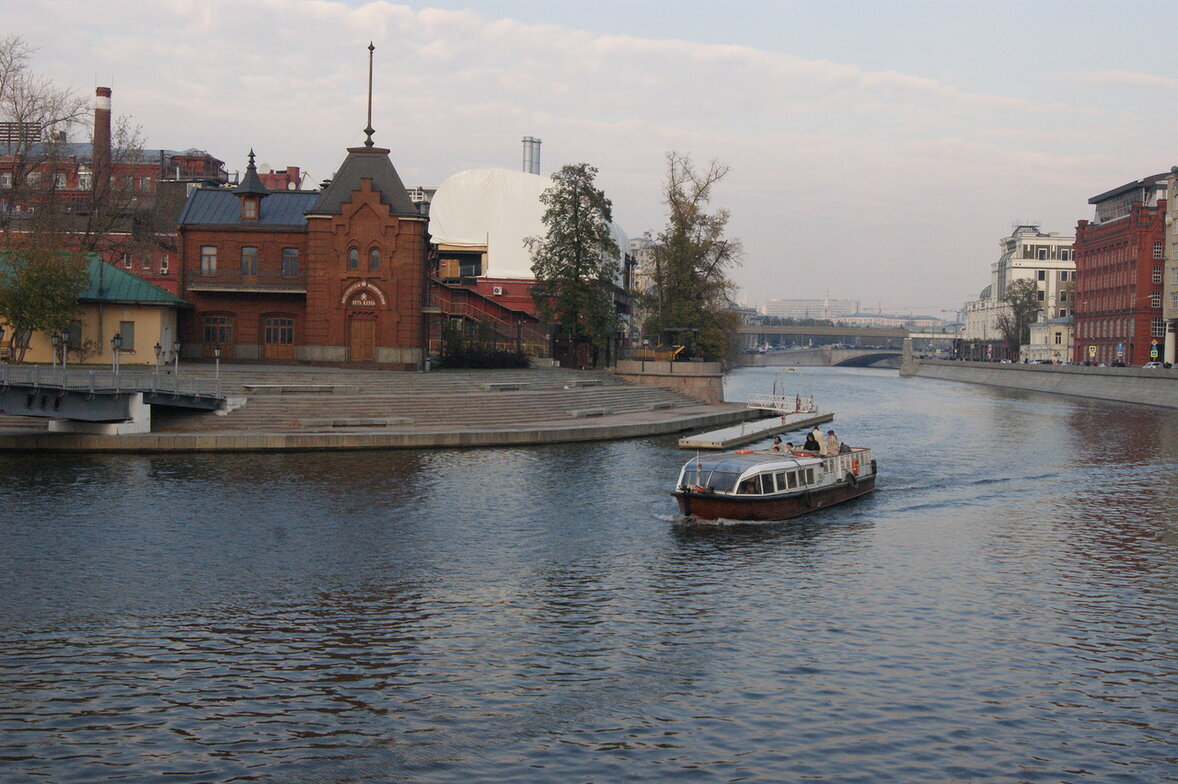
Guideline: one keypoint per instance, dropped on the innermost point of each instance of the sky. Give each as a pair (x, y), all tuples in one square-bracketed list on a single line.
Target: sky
[(877, 151)]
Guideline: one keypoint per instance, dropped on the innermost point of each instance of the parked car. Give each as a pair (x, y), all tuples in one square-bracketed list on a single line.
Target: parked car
[(1152, 365)]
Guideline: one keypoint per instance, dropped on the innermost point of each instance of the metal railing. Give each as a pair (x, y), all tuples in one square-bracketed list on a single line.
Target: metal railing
[(270, 280), (106, 381), (782, 404)]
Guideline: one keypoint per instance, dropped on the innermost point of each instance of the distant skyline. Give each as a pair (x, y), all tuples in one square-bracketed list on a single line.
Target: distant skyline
[(878, 151)]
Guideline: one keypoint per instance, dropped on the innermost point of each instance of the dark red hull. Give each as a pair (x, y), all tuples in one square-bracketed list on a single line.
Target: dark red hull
[(711, 506)]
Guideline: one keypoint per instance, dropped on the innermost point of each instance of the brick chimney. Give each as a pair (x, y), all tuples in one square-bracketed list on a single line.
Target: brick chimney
[(101, 151)]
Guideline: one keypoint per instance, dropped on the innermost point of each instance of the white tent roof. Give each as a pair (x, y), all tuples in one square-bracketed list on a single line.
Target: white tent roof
[(498, 208)]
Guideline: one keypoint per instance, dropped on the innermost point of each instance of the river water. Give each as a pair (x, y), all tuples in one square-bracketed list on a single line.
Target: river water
[(1001, 609)]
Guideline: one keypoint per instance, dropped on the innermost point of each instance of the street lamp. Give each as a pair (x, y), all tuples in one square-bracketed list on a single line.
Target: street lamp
[(176, 357), (65, 347), (159, 350), (55, 342), (217, 357), (116, 344)]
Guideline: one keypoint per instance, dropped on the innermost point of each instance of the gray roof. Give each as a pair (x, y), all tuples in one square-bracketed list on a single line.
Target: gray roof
[(365, 163), (222, 207)]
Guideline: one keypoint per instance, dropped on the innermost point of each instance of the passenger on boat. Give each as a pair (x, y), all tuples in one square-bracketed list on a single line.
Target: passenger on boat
[(776, 443), (832, 444), (811, 444)]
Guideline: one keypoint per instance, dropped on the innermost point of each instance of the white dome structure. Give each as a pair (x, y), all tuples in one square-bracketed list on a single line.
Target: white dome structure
[(495, 211)]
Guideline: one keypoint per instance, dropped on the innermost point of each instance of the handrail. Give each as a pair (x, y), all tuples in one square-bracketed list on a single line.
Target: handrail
[(107, 381)]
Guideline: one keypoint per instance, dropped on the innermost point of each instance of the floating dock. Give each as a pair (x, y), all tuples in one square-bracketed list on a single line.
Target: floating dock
[(755, 430)]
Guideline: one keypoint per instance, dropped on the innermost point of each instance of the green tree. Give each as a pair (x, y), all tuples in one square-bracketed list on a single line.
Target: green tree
[(691, 295), (576, 261), (39, 288), (1022, 310)]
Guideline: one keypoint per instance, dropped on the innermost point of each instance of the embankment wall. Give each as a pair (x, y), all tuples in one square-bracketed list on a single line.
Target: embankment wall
[(700, 380), (1158, 387)]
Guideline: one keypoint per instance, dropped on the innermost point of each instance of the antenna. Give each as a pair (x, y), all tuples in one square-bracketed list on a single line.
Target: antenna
[(369, 130)]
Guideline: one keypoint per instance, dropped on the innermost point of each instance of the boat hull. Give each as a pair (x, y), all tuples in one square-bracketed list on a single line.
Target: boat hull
[(713, 506)]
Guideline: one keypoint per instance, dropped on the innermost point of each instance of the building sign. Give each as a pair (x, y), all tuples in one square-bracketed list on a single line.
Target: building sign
[(363, 294), (1120, 349), (1092, 351)]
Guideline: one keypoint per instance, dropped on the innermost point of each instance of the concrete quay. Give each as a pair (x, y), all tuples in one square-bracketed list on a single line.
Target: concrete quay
[(1152, 387), (305, 408)]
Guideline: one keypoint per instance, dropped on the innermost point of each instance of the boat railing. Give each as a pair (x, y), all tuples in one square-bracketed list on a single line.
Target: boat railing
[(857, 462)]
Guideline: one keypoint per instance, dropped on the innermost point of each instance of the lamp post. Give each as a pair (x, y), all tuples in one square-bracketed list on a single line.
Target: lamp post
[(176, 357), (116, 344), (217, 366), (55, 341), (64, 337), (159, 350)]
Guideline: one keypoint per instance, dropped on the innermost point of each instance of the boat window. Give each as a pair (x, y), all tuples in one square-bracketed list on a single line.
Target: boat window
[(809, 476), (722, 481), (793, 479), (749, 486), (780, 478)]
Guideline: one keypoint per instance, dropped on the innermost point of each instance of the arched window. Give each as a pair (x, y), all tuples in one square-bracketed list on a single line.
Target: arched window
[(353, 259), (374, 259)]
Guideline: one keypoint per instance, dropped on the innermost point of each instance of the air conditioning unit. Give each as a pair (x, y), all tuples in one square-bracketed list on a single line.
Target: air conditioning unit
[(497, 291)]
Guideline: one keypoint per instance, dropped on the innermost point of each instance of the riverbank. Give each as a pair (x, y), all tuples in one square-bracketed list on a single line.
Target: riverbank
[(1153, 387), (297, 408)]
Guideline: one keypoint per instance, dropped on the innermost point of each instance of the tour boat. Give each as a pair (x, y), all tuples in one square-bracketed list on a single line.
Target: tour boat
[(770, 485)]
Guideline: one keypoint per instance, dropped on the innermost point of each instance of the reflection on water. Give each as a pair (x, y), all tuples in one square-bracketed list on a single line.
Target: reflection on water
[(998, 610)]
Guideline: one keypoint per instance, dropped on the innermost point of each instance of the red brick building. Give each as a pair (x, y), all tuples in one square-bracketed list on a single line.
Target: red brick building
[(339, 275), (1120, 258)]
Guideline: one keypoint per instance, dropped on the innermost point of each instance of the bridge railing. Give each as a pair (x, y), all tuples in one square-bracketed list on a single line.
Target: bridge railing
[(107, 381)]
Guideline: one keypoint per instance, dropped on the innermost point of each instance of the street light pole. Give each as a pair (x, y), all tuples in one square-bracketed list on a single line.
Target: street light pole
[(159, 350), (116, 344), (176, 357), (217, 358)]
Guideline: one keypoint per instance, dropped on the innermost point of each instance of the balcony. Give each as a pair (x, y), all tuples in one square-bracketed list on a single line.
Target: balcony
[(265, 282)]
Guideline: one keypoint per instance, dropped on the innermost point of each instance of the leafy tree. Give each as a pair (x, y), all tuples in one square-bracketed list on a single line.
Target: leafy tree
[(39, 288), (576, 262), (1022, 310), (691, 292)]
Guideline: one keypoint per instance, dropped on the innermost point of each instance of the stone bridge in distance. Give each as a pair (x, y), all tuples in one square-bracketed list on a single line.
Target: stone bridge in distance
[(824, 356)]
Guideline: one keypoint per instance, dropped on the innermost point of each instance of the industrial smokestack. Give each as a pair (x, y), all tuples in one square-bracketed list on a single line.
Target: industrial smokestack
[(531, 155), (101, 152)]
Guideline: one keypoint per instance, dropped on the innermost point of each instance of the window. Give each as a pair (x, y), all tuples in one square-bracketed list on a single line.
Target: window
[(34, 179), (353, 259), (6, 180), (249, 209), (290, 262), (164, 264), (59, 180), (1040, 295), (1063, 296), (146, 261), (374, 259), (127, 260), (249, 261), (208, 259), (73, 336), (793, 479), (1155, 300), (127, 331), (1042, 275), (1157, 275), (1041, 254), (279, 331), (1066, 254), (128, 183), (85, 181), (1157, 328), (1158, 252), (218, 329), (1058, 338), (1063, 312)]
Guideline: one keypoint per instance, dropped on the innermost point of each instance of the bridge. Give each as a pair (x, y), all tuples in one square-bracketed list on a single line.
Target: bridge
[(824, 356), (84, 400)]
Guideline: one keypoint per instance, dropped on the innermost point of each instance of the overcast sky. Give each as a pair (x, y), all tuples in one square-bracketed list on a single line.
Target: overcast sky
[(878, 150)]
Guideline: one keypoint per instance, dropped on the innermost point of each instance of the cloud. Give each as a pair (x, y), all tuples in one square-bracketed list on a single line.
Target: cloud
[(1128, 79)]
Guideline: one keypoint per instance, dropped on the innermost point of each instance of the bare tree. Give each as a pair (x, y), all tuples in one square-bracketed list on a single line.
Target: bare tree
[(35, 117)]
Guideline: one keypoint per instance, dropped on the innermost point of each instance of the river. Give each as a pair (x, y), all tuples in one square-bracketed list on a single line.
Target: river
[(1000, 610)]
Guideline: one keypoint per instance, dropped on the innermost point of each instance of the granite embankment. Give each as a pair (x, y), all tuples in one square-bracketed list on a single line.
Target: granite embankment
[(1152, 387), (309, 408)]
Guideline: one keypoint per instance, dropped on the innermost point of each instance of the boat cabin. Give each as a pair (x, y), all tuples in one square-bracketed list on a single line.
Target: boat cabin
[(750, 473)]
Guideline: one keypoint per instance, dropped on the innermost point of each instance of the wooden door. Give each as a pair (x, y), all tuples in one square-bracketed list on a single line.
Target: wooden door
[(362, 342), (278, 338)]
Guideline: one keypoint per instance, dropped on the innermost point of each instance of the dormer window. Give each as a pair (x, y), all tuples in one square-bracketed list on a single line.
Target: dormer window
[(249, 209)]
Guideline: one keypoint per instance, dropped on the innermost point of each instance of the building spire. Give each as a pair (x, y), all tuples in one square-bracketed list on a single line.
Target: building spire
[(369, 130)]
